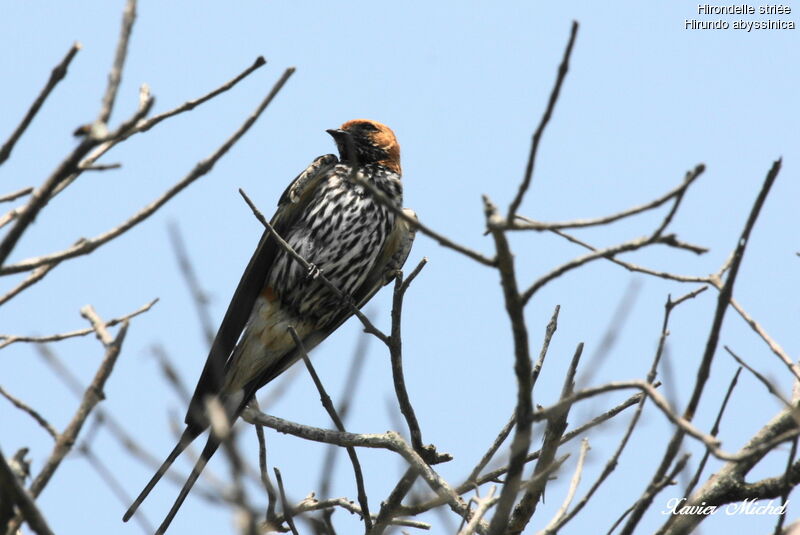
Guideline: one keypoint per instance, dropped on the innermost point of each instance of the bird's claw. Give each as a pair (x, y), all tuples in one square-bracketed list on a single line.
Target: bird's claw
[(313, 272)]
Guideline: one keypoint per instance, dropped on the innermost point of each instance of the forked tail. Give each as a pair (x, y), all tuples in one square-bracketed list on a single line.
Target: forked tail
[(205, 455), (186, 438)]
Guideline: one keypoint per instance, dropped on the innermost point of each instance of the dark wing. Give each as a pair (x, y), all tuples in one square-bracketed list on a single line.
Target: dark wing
[(390, 259), (290, 206)]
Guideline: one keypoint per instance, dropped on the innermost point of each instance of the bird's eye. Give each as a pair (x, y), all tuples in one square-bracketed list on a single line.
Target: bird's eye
[(368, 127)]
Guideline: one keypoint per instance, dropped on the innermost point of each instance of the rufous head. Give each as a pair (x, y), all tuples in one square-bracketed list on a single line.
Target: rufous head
[(371, 141)]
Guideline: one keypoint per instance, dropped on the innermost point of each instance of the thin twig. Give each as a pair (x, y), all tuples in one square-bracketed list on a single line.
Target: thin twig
[(537, 135), (103, 167), (111, 481), (92, 396), (42, 195), (14, 195), (346, 398), (117, 430), (201, 168), (199, 296), (33, 277), (331, 410), (704, 369), (608, 252), (57, 74), (311, 503), (550, 330), (612, 462), (389, 440), (554, 524), (714, 432), (262, 466), (771, 343), (398, 377), (393, 502), (785, 496), (484, 504), (287, 510), (523, 369), (115, 74), (530, 224), (634, 267), (763, 380), (24, 407), (494, 475), (554, 431), (666, 481), (146, 124), (8, 339)]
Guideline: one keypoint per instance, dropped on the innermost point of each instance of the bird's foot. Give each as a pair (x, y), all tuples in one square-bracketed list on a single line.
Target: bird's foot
[(313, 272)]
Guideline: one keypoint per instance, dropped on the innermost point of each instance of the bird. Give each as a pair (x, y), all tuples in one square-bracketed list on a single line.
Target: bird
[(347, 235)]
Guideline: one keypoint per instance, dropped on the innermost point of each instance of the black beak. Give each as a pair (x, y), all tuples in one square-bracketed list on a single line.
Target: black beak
[(337, 133)]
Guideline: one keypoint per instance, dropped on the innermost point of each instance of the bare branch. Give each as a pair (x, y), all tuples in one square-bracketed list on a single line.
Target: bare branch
[(396, 352), (24, 407), (633, 267), (484, 504), (494, 475), (554, 524), (262, 466), (58, 73), (8, 339), (111, 481), (199, 296), (115, 75), (530, 224), (550, 330), (391, 505), (714, 432), (311, 503), (189, 105), (103, 167), (537, 135), (115, 428), (346, 398), (523, 369), (41, 196), (704, 369), (553, 433), (653, 490), (772, 389), (35, 276), (286, 508), (14, 195), (608, 252), (12, 492), (331, 410), (92, 396), (202, 168), (787, 486), (390, 441), (144, 125), (771, 343)]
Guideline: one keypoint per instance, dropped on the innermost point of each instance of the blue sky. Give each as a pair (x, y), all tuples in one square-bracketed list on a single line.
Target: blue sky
[(463, 86)]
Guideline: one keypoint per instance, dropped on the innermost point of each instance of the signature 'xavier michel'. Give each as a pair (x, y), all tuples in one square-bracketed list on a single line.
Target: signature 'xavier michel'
[(340, 228)]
